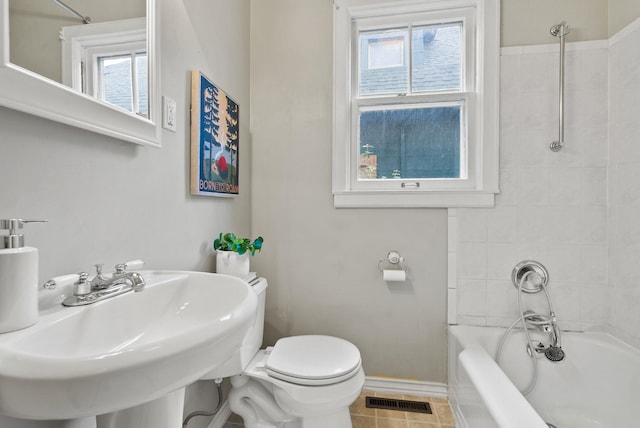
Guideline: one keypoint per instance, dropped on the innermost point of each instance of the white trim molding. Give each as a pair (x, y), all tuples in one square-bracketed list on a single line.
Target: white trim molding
[(405, 386)]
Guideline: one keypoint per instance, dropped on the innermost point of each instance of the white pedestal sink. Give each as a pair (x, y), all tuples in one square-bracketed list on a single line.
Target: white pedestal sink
[(125, 351)]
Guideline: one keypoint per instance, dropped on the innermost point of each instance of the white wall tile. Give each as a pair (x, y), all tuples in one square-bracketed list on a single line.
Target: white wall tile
[(594, 71), (501, 224), (472, 224), (534, 77), (594, 146), (533, 186), (508, 195), (501, 258), (564, 262), (565, 186), (501, 299), (472, 297), (533, 251), (533, 147), (534, 111), (553, 206), (472, 260), (594, 186), (509, 144), (565, 225), (509, 74), (594, 305), (593, 264), (532, 224), (566, 299), (452, 304), (452, 270), (452, 230), (594, 228)]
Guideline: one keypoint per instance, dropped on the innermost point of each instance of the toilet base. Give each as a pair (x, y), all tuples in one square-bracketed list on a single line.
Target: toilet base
[(254, 401)]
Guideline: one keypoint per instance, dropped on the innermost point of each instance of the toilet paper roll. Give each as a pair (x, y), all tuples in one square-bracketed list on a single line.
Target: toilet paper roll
[(394, 275)]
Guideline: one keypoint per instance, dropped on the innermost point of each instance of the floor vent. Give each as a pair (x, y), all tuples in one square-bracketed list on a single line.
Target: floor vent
[(400, 405)]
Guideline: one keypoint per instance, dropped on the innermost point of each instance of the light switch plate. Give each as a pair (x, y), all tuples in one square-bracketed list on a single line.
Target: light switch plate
[(169, 114)]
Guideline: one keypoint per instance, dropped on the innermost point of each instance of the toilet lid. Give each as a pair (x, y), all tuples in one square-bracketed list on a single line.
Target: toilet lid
[(313, 360)]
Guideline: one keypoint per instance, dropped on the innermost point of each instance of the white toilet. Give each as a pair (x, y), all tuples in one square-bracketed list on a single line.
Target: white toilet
[(301, 382)]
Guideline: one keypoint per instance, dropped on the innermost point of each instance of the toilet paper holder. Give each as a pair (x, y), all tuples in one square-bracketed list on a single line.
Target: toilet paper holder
[(394, 259)]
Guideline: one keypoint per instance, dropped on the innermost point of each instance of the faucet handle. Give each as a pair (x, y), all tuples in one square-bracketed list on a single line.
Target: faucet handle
[(133, 264), (83, 286), (61, 281)]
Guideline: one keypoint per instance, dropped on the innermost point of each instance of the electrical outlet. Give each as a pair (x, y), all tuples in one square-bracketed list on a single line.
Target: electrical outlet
[(169, 114)]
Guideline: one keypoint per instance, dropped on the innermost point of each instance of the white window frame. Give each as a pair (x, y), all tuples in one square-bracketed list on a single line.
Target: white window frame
[(480, 100), (82, 45)]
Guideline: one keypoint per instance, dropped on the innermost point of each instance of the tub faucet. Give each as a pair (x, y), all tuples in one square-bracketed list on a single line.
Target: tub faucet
[(548, 324)]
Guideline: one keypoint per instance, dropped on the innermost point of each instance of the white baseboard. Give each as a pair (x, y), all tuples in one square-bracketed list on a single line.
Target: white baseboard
[(405, 386), (221, 417), (371, 383)]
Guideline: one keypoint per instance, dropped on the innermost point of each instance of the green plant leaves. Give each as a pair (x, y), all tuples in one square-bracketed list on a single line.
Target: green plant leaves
[(229, 242)]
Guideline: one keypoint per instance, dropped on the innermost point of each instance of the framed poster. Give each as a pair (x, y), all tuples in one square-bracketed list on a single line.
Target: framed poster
[(214, 139)]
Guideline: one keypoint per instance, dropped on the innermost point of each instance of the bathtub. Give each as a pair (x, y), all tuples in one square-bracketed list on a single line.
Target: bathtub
[(596, 386)]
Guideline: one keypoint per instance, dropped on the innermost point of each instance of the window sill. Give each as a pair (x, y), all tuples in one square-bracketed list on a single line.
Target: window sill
[(413, 199)]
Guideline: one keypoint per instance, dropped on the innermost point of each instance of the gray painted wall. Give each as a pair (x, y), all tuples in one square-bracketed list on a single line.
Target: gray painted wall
[(527, 22), (109, 201), (321, 262), (621, 14)]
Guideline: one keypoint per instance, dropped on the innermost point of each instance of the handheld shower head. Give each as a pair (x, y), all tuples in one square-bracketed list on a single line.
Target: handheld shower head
[(554, 353)]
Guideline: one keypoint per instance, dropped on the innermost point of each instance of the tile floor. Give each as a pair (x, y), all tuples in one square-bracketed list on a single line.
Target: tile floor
[(362, 417)]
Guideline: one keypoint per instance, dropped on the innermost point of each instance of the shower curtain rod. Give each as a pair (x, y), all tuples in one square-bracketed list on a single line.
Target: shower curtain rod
[(85, 19)]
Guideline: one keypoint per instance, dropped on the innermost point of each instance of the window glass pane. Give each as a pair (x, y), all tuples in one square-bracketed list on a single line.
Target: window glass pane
[(383, 62), (386, 53), (143, 86), (116, 81), (410, 142), (436, 58)]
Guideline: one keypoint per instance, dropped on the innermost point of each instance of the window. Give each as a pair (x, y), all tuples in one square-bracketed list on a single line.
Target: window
[(416, 103), (108, 61), (383, 52)]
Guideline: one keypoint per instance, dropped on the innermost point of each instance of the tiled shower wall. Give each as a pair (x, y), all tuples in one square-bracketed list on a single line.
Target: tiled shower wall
[(553, 206), (624, 185)]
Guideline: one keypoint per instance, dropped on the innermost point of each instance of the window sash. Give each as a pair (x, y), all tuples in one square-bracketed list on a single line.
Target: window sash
[(464, 95), (467, 151), (465, 16)]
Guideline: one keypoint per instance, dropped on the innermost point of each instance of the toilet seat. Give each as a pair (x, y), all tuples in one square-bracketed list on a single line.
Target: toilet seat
[(313, 360)]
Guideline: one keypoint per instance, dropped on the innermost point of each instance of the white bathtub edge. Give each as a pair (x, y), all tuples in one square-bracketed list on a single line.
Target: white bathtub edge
[(503, 400)]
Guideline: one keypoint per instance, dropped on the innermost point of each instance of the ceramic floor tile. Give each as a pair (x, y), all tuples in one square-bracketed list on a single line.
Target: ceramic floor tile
[(363, 421), (391, 423), (359, 406), (363, 417), (445, 416), (415, 424)]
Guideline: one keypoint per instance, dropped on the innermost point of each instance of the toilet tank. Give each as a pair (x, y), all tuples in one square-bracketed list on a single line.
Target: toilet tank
[(251, 343), (253, 340)]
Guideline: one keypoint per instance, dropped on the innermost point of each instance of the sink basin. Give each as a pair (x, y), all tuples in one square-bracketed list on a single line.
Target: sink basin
[(124, 351)]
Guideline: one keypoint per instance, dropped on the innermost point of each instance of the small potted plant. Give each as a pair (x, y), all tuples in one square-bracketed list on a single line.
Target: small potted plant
[(232, 253)]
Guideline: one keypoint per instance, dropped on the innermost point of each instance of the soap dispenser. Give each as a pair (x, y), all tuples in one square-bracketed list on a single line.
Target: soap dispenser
[(18, 278)]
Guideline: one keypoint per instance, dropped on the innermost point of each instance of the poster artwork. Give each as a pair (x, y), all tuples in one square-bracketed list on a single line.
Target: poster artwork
[(214, 139)]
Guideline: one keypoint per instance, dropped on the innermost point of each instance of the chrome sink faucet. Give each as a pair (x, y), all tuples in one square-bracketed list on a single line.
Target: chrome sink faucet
[(102, 287), (120, 276)]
